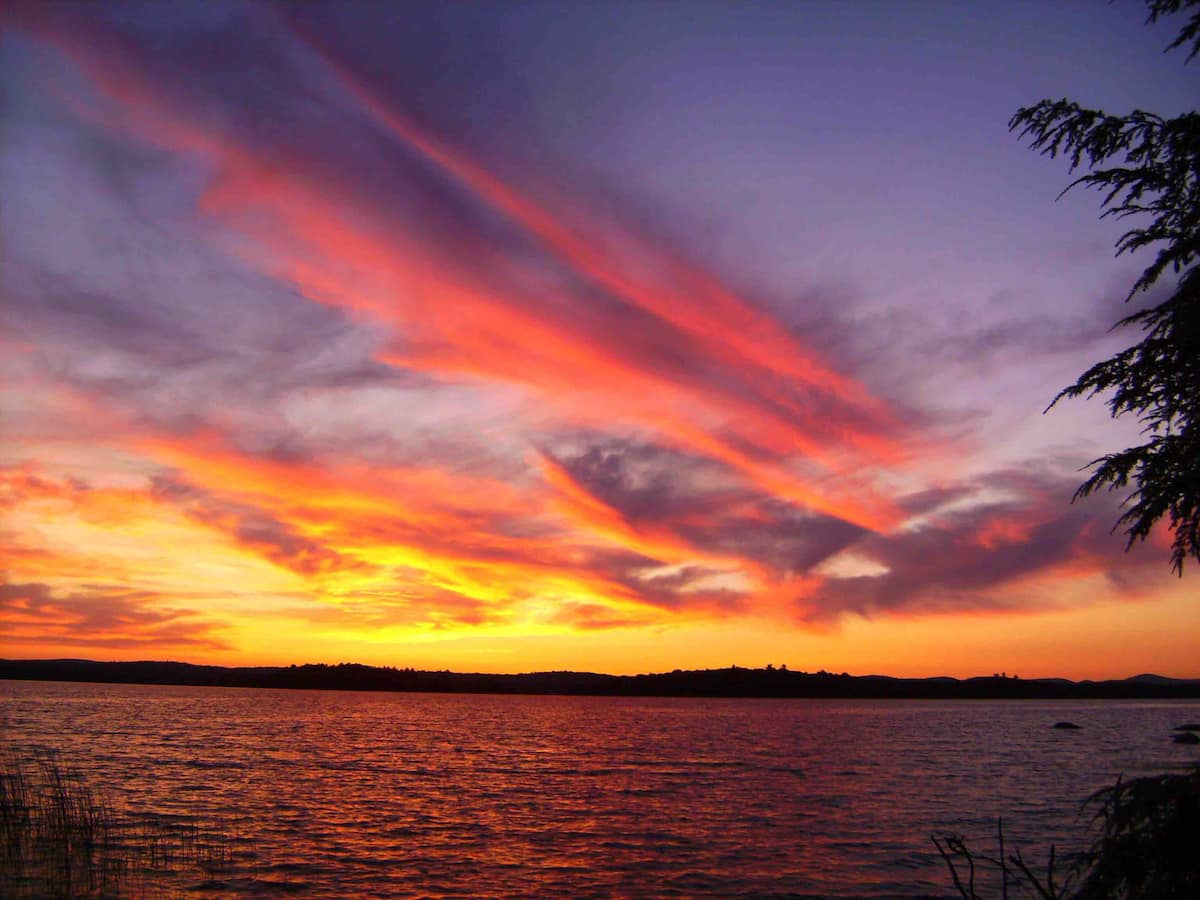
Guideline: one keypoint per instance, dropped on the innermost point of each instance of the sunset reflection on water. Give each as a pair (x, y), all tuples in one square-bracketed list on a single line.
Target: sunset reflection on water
[(459, 795)]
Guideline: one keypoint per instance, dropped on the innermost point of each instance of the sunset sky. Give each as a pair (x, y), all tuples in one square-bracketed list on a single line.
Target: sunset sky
[(616, 337)]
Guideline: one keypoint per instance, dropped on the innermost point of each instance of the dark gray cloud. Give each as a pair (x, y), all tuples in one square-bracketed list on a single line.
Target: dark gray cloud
[(651, 486), (648, 484), (970, 557), (689, 587), (1016, 339), (1020, 338), (785, 539)]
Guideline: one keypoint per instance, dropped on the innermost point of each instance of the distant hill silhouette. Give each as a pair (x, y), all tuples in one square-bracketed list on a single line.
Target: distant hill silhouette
[(731, 682)]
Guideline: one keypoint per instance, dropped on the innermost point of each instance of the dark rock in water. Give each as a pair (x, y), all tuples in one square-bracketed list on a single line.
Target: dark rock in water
[(1191, 726), (1066, 725), (1186, 737)]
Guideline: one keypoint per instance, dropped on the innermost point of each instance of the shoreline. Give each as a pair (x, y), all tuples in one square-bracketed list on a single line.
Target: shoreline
[(733, 682)]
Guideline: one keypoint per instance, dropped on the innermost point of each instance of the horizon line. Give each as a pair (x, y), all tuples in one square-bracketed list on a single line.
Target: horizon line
[(769, 667)]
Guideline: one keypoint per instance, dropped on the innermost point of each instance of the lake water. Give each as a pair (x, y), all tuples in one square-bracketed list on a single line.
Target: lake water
[(437, 795)]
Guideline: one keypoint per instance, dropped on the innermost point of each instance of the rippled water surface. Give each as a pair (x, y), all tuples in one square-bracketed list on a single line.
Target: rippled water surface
[(442, 795)]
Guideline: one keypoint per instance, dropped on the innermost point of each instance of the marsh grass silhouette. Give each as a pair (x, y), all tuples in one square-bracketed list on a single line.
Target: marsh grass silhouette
[(1145, 848), (61, 838)]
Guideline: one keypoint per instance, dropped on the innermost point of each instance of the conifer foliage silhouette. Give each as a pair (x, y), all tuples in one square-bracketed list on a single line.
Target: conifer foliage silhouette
[(1148, 167)]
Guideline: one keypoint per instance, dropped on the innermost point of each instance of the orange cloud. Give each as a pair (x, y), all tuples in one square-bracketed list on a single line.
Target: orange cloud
[(101, 617)]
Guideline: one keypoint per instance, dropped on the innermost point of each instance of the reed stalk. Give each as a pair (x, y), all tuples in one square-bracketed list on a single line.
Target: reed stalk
[(60, 838)]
